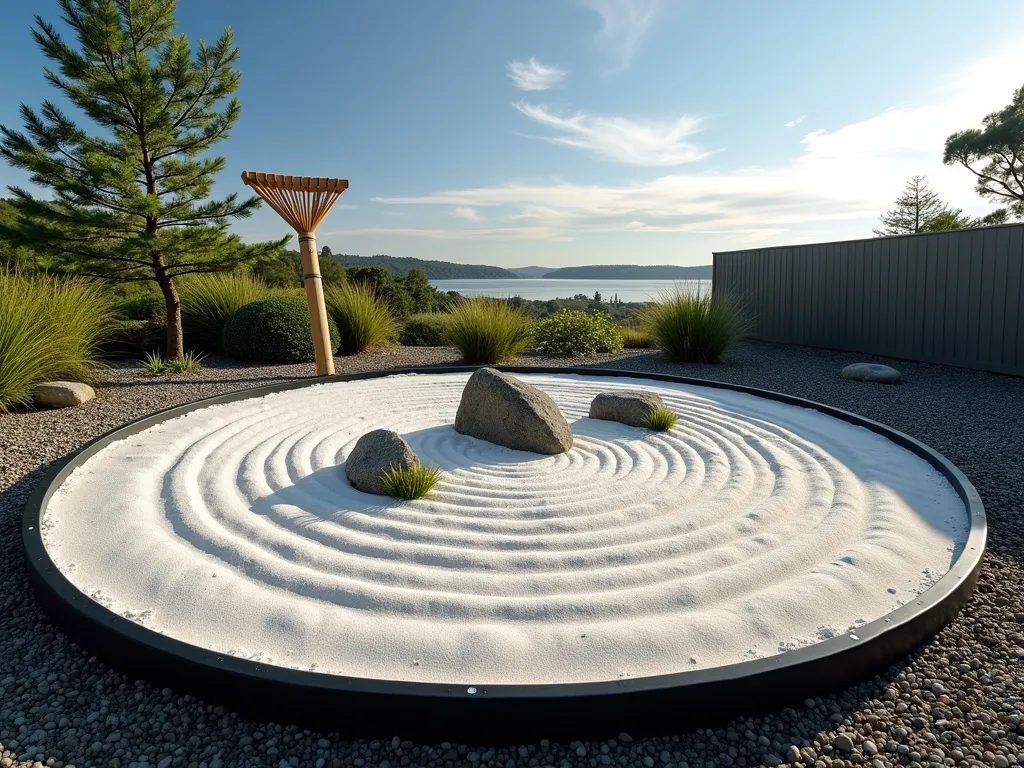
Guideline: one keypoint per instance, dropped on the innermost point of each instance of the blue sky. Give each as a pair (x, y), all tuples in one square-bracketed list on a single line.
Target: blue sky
[(562, 132)]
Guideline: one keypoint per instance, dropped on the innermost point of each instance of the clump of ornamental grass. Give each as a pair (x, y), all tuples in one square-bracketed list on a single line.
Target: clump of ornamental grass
[(694, 327), (364, 319), (207, 301), (410, 484), (488, 330), (50, 328), (660, 419)]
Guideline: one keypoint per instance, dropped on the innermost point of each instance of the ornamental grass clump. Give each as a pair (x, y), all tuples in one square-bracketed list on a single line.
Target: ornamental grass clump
[(660, 419), (489, 330), (694, 327), (575, 333), (364, 319), (50, 328), (410, 484), (207, 301)]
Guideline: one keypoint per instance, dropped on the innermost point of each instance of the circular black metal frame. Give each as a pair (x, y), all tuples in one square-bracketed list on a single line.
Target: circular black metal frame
[(368, 707)]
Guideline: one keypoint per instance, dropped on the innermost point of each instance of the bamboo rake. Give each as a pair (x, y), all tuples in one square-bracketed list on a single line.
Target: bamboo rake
[(304, 202)]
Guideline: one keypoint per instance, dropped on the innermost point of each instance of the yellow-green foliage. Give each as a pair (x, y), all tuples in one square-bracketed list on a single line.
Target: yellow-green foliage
[(207, 301), (635, 338), (574, 333), (489, 330), (364, 320), (410, 483), (694, 327), (50, 328), (660, 419)]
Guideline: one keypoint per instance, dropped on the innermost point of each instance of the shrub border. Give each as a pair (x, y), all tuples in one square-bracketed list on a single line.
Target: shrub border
[(368, 707)]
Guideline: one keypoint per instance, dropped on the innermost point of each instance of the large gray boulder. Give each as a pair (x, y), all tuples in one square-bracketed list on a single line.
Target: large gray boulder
[(628, 406), (61, 394), (375, 452), (876, 372), (502, 409)]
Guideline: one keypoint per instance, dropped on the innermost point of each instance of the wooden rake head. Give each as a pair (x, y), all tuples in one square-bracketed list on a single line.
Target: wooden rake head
[(302, 201)]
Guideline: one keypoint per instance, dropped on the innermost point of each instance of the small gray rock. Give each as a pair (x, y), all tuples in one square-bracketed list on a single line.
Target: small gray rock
[(375, 452), (502, 409), (61, 394), (629, 406), (875, 372)]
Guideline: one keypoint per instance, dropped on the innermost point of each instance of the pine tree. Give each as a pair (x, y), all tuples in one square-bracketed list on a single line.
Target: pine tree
[(129, 201), (915, 207)]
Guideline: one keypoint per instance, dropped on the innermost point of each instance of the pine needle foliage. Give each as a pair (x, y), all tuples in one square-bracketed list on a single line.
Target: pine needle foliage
[(129, 195)]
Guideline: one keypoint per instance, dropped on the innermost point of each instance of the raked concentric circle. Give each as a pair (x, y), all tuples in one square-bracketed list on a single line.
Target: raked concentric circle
[(755, 532)]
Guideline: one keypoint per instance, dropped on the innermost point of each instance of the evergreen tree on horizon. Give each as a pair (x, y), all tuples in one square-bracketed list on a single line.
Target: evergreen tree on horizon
[(130, 201), (915, 207)]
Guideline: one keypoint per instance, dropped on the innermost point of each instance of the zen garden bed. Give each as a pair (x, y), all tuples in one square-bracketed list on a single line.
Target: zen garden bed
[(760, 558)]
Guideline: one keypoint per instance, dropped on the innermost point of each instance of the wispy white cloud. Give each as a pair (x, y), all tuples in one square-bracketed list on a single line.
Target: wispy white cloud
[(441, 233), (531, 75), (853, 172), (623, 25), (794, 123), (467, 213), (621, 139)]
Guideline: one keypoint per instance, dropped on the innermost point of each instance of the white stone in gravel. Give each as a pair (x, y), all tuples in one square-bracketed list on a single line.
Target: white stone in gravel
[(874, 372), (61, 394)]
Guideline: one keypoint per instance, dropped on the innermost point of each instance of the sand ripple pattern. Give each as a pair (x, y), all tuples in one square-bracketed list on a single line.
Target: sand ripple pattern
[(749, 528)]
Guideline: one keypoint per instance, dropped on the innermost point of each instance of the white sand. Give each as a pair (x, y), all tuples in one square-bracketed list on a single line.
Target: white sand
[(752, 528)]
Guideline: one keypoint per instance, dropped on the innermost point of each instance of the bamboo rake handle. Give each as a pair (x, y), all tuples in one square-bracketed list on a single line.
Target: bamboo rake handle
[(317, 307)]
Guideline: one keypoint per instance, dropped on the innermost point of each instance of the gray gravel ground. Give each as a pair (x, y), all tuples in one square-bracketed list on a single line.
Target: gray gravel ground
[(956, 702)]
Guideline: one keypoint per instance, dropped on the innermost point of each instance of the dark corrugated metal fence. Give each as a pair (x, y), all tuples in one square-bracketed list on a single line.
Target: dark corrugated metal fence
[(948, 297)]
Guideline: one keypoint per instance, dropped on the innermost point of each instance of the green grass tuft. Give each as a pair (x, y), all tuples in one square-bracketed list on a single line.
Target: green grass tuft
[(50, 328), (489, 330), (410, 483), (635, 338), (694, 327), (207, 301), (153, 364), (364, 320), (191, 362), (661, 419)]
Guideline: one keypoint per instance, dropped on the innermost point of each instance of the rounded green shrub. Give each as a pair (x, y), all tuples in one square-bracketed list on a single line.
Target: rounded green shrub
[(575, 333), (426, 330), (273, 330)]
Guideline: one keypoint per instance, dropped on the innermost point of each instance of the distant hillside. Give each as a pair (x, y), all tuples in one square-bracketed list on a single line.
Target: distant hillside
[(631, 272), (435, 270), (531, 271)]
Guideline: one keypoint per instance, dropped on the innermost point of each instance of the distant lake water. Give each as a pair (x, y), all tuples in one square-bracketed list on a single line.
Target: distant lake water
[(544, 289)]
